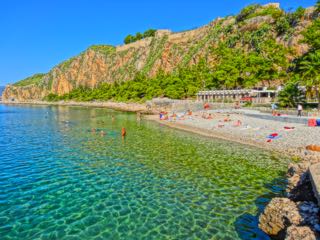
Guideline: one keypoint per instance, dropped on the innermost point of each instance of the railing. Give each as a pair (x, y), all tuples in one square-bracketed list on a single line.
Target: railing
[(292, 112)]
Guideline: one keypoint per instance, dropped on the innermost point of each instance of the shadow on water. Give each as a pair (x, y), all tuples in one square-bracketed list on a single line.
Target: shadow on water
[(246, 225)]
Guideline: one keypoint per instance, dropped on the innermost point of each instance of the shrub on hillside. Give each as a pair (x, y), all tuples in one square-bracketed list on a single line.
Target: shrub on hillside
[(138, 36), (247, 11)]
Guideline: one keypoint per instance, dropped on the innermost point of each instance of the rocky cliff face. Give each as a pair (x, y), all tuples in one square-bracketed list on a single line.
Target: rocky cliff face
[(166, 51)]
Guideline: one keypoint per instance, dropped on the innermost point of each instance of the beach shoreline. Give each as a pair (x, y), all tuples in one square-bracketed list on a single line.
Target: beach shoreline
[(290, 147), (119, 106), (206, 133), (188, 126)]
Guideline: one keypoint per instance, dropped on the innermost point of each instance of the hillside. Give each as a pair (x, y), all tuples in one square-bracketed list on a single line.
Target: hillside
[(256, 47)]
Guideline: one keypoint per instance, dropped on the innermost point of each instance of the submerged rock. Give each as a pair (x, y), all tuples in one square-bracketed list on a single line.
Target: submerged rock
[(309, 213), (279, 214)]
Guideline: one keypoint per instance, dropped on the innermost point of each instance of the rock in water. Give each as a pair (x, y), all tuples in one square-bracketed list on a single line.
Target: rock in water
[(279, 214), (300, 233), (309, 212)]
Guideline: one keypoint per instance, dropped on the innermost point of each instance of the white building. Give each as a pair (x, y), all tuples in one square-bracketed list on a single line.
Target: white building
[(255, 95)]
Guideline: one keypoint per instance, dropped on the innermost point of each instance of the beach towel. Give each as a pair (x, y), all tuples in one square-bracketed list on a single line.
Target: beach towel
[(271, 139), (273, 136), (312, 122), (289, 128)]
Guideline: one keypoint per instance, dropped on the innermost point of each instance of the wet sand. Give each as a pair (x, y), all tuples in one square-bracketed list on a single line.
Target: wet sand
[(127, 107)]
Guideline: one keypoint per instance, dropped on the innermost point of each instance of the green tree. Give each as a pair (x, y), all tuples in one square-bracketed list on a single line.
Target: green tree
[(246, 12), (231, 67), (149, 33), (138, 36), (291, 95), (273, 62), (52, 97), (296, 16), (309, 69), (312, 35), (318, 6), (129, 39), (282, 25)]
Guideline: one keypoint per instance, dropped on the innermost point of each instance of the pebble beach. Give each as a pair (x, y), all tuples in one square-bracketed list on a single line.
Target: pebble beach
[(290, 137)]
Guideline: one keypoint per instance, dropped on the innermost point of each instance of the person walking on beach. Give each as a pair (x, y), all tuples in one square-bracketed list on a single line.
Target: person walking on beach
[(274, 108), (138, 116), (300, 110)]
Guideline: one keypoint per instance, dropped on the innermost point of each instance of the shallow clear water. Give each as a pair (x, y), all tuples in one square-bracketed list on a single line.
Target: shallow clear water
[(60, 181)]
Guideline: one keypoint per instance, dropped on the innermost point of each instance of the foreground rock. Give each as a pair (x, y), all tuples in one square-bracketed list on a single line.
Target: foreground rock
[(283, 218), (297, 216), (300, 233), (278, 216)]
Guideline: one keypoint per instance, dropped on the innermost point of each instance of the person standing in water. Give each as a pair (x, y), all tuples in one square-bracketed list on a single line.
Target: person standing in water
[(123, 132), (300, 108)]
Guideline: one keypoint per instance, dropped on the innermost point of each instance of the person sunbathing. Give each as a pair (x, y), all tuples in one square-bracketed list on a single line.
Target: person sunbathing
[(206, 106), (210, 116), (238, 123)]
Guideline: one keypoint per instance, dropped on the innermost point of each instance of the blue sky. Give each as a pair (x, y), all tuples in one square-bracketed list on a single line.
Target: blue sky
[(38, 34)]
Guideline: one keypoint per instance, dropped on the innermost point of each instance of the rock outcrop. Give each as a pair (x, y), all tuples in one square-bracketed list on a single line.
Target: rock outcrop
[(300, 233), (286, 219), (165, 51), (295, 216), (278, 216)]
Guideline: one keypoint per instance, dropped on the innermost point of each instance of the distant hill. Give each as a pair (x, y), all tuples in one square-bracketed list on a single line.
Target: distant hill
[(254, 48)]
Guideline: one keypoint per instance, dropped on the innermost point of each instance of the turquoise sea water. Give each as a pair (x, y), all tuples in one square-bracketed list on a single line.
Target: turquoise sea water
[(60, 181)]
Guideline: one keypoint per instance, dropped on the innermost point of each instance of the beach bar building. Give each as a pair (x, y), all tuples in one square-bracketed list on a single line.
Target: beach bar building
[(256, 95)]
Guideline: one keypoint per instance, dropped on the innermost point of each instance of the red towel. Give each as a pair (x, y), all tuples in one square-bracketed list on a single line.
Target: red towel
[(312, 122)]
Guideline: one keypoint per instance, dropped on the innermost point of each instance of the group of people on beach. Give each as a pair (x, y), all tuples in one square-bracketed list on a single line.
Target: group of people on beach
[(174, 116)]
